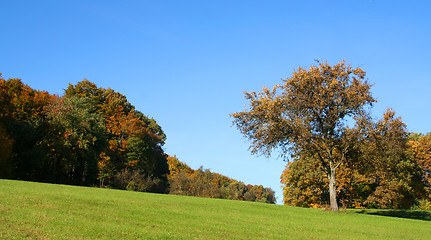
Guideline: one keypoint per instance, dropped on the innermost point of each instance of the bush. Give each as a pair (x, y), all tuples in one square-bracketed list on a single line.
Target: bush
[(422, 204), (136, 181)]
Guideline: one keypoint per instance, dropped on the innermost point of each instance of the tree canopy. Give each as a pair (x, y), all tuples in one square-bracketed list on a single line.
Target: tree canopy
[(309, 113)]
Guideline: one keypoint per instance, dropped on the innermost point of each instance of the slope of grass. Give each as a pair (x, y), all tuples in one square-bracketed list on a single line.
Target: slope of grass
[(48, 211)]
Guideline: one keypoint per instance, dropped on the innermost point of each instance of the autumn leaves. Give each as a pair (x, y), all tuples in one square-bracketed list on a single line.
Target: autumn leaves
[(364, 165)]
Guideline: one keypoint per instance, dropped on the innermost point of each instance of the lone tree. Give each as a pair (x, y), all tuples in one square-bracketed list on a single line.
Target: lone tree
[(308, 115)]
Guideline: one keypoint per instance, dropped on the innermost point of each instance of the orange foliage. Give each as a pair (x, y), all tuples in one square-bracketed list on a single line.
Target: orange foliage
[(20, 102), (176, 166)]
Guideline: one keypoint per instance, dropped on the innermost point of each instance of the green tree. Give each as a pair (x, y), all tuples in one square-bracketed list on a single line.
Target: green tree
[(76, 139), (309, 114), (134, 141), (236, 190)]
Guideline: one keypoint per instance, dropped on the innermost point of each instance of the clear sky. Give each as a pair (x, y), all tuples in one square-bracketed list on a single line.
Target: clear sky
[(186, 63)]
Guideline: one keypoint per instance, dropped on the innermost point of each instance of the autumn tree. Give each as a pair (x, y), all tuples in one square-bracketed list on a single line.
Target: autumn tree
[(395, 177), (309, 112), (419, 149), (183, 180), (382, 172), (236, 190), (134, 141), (176, 166), (304, 183), (258, 193), (21, 128)]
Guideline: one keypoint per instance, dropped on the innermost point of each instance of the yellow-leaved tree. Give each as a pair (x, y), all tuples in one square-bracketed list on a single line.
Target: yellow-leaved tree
[(308, 113)]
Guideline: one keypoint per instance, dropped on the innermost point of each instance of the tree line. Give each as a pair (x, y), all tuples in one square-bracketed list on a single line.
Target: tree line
[(203, 183), (92, 136), (319, 120)]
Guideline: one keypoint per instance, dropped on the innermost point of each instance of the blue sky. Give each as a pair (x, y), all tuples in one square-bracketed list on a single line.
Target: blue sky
[(186, 63)]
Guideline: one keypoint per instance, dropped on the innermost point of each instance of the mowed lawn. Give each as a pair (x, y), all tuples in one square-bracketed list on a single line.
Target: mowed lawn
[(48, 211)]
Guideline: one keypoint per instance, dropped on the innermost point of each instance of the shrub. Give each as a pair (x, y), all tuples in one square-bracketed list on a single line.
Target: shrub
[(422, 204), (136, 181)]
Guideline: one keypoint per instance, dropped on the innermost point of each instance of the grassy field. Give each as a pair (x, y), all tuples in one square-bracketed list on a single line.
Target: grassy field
[(46, 211)]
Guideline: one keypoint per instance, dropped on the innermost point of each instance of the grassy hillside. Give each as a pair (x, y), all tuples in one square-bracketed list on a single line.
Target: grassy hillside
[(47, 211)]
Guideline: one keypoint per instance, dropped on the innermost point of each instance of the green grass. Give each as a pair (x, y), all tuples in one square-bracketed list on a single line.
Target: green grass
[(48, 211)]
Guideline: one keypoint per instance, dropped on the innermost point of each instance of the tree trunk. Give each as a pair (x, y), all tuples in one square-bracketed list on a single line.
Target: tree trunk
[(332, 189)]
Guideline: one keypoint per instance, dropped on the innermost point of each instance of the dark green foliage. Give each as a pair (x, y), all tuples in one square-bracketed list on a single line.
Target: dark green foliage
[(6, 164), (78, 133), (236, 191)]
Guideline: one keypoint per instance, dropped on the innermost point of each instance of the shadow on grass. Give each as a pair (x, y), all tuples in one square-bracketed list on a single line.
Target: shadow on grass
[(412, 214)]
